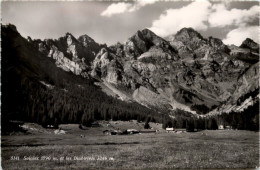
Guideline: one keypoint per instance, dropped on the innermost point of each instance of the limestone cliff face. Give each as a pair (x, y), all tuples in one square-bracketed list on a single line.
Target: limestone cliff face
[(247, 82), (185, 71), (246, 93), (69, 53), (103, 66), (77, 67)]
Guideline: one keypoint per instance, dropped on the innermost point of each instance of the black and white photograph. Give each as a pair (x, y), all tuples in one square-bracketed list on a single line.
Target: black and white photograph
[(133, 84)]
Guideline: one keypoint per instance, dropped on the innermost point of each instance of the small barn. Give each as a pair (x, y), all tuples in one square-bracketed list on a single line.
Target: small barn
[(132, 131), (228, 127), (220, 127), (169, 130)]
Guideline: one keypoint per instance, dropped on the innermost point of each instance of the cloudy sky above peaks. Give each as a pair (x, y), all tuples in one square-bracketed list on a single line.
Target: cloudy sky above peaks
[(113, 21)]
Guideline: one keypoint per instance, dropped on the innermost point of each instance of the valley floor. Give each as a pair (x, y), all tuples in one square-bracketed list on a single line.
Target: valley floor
[(204, 149)]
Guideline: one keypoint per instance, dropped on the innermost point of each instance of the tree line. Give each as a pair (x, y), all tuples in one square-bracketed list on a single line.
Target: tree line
[(247, 119), (74, 103)]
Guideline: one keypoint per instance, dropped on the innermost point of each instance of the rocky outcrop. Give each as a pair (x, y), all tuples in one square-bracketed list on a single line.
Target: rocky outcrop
[(103, 66), (69, 53), (76, 66), (191, 38), (246, 93), (143, 40), (218, 45), (185, 71), (244, 54), (190, 44), (250, 44), (247, 82), (88, 42)]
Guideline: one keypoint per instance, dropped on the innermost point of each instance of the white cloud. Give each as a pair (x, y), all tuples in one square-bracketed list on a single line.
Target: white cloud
[(117, 8), (122, 7), (193, 15), (201, 15), (222, 17), (237, 36)]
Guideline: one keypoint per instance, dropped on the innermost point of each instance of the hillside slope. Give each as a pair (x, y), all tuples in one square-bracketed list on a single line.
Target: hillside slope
[(35, 88)]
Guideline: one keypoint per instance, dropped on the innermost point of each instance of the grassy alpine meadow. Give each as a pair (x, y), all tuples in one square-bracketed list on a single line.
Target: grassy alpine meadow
[(40, 148)]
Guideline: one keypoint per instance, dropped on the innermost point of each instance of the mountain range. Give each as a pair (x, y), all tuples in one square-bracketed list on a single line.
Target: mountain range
[(182, 74)]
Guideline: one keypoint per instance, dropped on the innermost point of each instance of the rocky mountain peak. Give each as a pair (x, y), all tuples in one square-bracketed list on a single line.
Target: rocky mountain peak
[(217, 44), (148, 34), (250, 44), (143, 40), (86, 39), (10, 27), (70, 39), (186, 34), (29, 39), (248, 41), (88, 42), (66, 36), (188, 40)]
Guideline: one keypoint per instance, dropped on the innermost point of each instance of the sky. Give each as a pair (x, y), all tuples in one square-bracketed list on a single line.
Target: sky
[(114, 21)]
